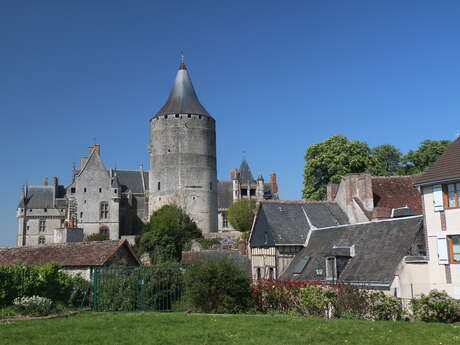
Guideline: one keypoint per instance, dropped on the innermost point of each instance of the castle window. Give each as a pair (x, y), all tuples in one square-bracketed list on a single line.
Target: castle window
[(45, 210), (100, 190), (27, 228), (177, 115), (104, 210), (72, 190), (41, 225), (84, 201), (115, 191), (252, 192), (159, 185), (84, 190), (189, 116), (244, 192), (41, 240), (166, 116), (199, 116), (81, 215)]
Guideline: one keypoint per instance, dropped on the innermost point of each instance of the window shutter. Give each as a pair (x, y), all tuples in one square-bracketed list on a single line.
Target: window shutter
[(443, 256), (438, 198)]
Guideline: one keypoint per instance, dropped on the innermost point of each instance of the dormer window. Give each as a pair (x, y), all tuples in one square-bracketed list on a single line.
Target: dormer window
[(452, 195)]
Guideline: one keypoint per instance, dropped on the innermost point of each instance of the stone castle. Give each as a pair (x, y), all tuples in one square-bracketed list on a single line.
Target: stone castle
[(182, 152)]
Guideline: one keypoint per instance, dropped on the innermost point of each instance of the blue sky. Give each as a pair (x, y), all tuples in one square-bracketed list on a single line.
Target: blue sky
[(276, 76)]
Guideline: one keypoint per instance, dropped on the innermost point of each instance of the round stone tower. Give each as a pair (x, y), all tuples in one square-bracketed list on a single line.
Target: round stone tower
[(183, 155)]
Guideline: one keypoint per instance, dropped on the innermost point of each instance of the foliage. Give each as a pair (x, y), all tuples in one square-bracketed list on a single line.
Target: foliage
[(80, 294), (166, 233), (417, 161), (98, 236), (217, 287), (241, 214), (205, 243), (436, 306), (384, 307), (276, 295), (352, 302), (387, 160), (328, 161), (146, 288), (23, 280), (316, 300), (34, 305)]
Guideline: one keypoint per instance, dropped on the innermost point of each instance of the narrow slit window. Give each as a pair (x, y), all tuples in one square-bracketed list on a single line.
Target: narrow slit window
[(159, 185)]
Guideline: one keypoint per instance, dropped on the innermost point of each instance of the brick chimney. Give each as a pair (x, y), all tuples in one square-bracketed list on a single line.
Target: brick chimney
[(83, 162), (233, 174), (273, 183), (332, 191), (242, 247), (45, 181)]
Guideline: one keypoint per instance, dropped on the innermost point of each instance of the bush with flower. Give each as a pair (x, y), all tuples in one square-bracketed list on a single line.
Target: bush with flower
[(34, 305)]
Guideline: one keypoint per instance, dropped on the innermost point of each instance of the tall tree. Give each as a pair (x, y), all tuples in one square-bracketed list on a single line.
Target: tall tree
[(387, 160), (241, 214), (417, 161), (328, 161), (167, 231)]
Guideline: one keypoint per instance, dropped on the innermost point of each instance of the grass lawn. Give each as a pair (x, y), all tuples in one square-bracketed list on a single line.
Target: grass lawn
[(178, 328)]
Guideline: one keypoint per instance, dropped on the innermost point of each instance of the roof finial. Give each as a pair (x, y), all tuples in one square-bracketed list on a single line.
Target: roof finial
[(182, 63)]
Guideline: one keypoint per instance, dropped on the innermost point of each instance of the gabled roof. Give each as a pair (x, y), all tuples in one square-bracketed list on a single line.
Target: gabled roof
[(91, 253), (94, 161), (131, 180), (445, 168), (379, 247), (182, 99), (288, 222)]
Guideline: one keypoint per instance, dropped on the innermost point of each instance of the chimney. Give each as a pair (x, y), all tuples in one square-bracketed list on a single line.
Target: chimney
[(45, 181), (273, 183), (55, 181), (234, 174), (83, 162), (332, 189), (242, 246)]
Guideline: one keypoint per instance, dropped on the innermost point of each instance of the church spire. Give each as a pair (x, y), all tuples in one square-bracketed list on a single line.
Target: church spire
[(182, 99)]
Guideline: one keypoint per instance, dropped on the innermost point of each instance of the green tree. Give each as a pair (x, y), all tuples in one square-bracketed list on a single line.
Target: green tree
[(417, 161), (217, 287), (98, 236), (166, 233), (327, 161), (387, 160), (241, 214)]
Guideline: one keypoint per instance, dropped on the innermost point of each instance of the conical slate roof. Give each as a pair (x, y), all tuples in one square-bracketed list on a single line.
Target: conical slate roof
[(182, 99), (245, 172)]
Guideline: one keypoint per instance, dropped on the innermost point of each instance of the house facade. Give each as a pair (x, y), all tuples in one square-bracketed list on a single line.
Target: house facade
[(440, 189)]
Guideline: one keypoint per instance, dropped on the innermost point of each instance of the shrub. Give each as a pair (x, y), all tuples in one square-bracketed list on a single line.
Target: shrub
[(352, 302), (98, 236), (276, 295), (80, 294), (34, 306), (316, 300), (217, 287), (384, 307), (437, 306)]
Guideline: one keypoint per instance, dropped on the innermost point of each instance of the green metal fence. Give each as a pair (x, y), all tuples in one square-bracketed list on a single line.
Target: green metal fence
[(138, 288)]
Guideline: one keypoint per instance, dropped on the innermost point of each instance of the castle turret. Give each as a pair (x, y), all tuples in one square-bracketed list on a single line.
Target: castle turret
[(183, 155)]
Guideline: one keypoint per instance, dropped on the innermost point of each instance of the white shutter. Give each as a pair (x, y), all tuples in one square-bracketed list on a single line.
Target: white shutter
[(437, 198), (443, 255)]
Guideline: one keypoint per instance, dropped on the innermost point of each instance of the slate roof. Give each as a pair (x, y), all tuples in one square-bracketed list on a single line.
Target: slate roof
[(396, 191), (213, 255), (182, 99), (285, 222), (91, 253), (379, 248), (444, 169), (131, 180), (39, 197)]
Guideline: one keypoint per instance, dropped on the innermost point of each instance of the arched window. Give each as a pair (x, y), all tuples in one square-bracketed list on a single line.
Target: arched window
[(104, 210)]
